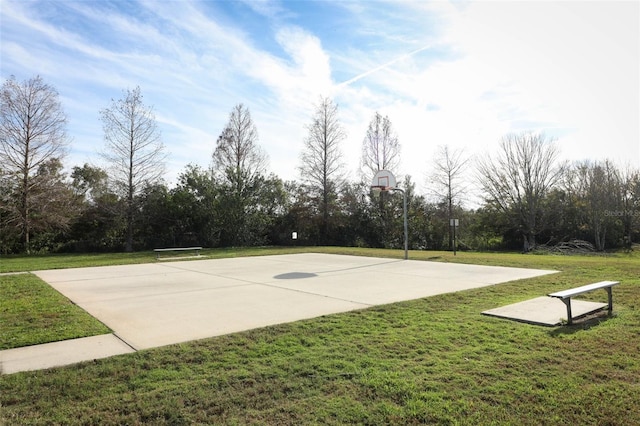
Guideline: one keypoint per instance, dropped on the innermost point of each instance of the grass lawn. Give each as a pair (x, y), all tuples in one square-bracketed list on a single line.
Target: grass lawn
[(427, 361), (21, 263), (32, 312)]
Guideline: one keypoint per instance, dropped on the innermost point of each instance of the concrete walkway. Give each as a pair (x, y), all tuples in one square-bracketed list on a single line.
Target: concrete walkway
[(40, 357), (163, 303)]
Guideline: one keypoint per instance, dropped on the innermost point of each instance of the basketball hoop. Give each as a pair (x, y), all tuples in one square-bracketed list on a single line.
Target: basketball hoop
[(384, 180), (378, 189)]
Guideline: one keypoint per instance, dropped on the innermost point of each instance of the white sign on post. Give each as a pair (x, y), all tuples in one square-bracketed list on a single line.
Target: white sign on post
[(454, 222), (294, 235)]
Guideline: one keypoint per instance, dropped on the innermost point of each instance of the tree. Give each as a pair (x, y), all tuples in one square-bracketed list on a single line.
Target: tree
[(448, 166), (194, 200), (380, 148), (237, 159), (9, 236), (239, 166), (322, 168), (133, 149), (32, 133), (100, 225), (359, 229), (517, 179), (380, 151), (55, 202), (630, 193), (89, 182), (600, 188), (156, 225)]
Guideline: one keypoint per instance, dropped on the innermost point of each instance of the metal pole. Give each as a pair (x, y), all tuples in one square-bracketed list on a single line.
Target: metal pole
[(454, 238), (406, 225)]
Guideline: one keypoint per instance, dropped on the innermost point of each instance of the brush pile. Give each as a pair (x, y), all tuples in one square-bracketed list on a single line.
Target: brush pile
[(568, 247)]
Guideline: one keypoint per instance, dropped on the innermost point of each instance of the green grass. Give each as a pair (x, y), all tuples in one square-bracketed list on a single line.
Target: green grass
[(22, 263), (427, 361), (31, 312)]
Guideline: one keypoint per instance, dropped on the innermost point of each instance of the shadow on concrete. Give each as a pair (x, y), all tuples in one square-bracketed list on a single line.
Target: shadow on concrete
[(295, 275)]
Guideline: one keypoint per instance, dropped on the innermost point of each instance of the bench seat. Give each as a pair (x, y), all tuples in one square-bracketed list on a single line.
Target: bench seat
[(566, 295), (161, 250)]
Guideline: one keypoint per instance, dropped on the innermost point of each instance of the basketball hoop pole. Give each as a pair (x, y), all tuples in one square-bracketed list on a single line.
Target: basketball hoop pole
[(384, 180), (406, 226), (404, 215)]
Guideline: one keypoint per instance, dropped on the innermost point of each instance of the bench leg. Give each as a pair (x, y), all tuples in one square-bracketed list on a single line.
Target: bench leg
[(610, 300), (567, 302)]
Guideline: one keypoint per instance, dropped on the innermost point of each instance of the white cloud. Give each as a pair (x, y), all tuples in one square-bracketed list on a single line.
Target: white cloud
[(569, 67), (445, 73)]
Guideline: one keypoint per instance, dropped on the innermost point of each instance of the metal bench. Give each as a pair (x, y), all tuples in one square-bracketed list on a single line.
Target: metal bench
[(161, 250), (566, 295)]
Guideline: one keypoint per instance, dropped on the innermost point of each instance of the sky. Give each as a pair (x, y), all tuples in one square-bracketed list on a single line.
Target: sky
[(456, 73)]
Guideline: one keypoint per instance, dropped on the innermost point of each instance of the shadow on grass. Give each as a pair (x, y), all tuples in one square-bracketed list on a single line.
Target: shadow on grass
[(581, 324)]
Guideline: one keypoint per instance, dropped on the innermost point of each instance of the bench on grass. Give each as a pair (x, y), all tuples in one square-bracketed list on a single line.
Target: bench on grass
[(566, 295), (162, 250)]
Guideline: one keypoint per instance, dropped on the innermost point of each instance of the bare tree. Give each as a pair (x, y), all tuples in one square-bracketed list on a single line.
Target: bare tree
[(445, 182), (322, 168), (239, 165), (133, 149), (32, 133), (380, 148), (518, 178), (630, 193), (600, 190), (237, 159)]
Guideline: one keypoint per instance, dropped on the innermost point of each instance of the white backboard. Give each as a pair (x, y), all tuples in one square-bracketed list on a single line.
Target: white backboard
[(384, 179)]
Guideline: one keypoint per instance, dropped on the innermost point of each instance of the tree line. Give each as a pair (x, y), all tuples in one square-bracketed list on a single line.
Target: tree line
[(529, 197)]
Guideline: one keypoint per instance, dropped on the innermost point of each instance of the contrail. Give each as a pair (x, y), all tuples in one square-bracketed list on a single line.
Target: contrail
[(383, 66)]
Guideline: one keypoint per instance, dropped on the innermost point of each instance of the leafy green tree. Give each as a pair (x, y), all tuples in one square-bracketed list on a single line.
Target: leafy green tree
[(358, 228), (267, 206), (9, 234), (100, 224), (89, 182), (156, 223), (302, 215), (194, 206), (419, 223), (487, 227), (56, 207)]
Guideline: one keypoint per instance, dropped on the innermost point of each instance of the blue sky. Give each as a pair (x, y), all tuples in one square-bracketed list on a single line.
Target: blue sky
[(456, 73)]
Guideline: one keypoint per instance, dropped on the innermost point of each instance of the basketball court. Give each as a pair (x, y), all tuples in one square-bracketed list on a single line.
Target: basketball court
[(152, 305)]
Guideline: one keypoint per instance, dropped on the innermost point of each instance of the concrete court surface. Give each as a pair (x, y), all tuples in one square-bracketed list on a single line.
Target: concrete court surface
[(151, 305)]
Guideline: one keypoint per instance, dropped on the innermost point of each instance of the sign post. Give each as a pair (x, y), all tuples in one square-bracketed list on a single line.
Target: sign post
[(454, 224)]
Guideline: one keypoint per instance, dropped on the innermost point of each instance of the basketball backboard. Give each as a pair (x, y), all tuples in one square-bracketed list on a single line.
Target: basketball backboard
[(383, 180)]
